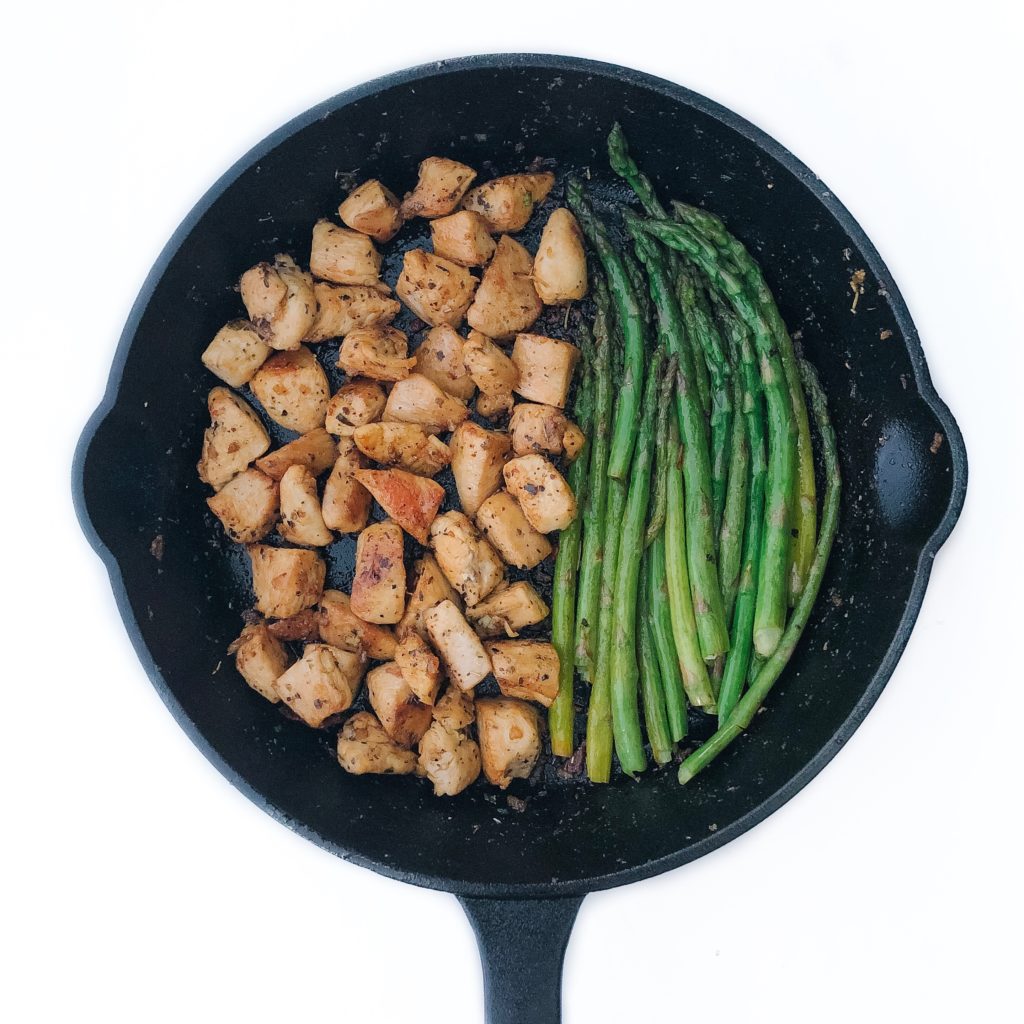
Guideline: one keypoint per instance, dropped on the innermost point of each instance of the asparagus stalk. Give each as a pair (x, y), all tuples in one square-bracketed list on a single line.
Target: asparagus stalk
[(631, 322), (629, 744), (772, 584), (660, 498), (625, 167), (664, 640), (730, 535), (701, 379), (744, 712), (651, 683)]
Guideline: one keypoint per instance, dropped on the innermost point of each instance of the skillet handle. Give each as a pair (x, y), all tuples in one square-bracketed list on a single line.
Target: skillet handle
[(522, 946)]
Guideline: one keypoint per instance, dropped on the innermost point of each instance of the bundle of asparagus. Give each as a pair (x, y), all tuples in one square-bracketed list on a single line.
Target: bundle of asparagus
[(692, 572)]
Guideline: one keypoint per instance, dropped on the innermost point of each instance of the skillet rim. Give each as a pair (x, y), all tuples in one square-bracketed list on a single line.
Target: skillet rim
[(926, 390)]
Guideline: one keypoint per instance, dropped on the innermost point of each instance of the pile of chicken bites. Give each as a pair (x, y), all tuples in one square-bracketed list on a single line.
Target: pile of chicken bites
[(423, 640)]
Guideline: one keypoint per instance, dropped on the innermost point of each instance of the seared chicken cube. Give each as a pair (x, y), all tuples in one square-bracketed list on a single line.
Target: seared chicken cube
[(364, 748), (462, 238), (323, 682), (341, 627), (246, 506), (439, 359), (507, 203), (455, 709), (546, 499), (378, 590), (494, 407), (436, 290), (315, 450), (343, 256), (507, 611), (234, 438), (373, 210), (526, 669), (292, 387), (442, 184), (450, 760), (463, 654), (381, 353), (236, 353), (354, 404), (302, 521), (260, 659), (510, 743), (506, 301), (478, 457), (432, 587), (543, 428), (280, 301), (492, 371), (285, 580), (406, 444), (467, 559), (304, 626), (507, 528), (404, 718), (560, 266), (545, 368), (420, 667), (343, 308), (346, 504), (411, 501), (417, 399)]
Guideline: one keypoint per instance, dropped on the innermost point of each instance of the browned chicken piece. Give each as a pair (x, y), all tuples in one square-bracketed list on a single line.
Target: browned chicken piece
[(373, 210), (478, 456), (378, 590), (292, 387), (285, 580), (546, 499), (441, 186), (304, 626), (343, 308), (526, 669), (439, 358), (280, 301), (417, 399), (233, 439), (455, 709), (507, 611), (436, 290), (506, 301), (323, 682), (354, 405), (302, 521), (560, 266), (507, 528), (315, 450), (246, 506), (404, 444), (341, 627), (343, 256), (509, 734), (260, 659), (420, 667), (543, 428), (364, 748), (346, 504), (432, 587), (464, 657), (381, 353), (450, 759), (463, 238), (545, 368), (495, 407), (507, 203), (404, 718), (466, 558), (410, 500), (492, 371), (236, 353)]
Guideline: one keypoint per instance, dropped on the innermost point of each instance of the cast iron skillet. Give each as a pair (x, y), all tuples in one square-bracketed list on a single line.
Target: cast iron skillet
[(521, 877)]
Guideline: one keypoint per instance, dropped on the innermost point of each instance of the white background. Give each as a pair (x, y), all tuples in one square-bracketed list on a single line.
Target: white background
[(138, 885)]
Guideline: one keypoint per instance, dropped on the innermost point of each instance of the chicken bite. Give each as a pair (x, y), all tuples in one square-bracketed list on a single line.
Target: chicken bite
[(442, 184), (285, 580), (545, 368), (462, 238), (492, 371), (364, 748), (323, 682), (280, 301), (460, 649), (439, 358), (420, 667), (406, 444), (378, 590), (510, 739), (343, 256), (419, 400), (339, 626), (234, 438), (432, 587), (543, 428), (478, 456), (292, 387), (260, 659), (546, 499), (343, 308), (450, 759), (315, 450), (526, 669), (560, 266), (508, 610), (354, 405), (502, 520), (380, 353), (346, 504), (466, 558), (236, 353), (506, 301), (507, 203), (373, 210), (302, 520), (411, 501), (246, 506), (435, 289), (404, 718)]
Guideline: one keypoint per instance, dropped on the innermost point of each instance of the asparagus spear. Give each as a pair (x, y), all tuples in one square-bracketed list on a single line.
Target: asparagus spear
[(629, 744), (700, 541), (631, 323), (772, 584), (664, 640), (744, 712), (807, 509), (701, 380), (655, 714), (625, 167), (657, 520)]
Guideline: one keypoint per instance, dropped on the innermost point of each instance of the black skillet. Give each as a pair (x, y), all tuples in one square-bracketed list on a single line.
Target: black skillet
[(520, 876)]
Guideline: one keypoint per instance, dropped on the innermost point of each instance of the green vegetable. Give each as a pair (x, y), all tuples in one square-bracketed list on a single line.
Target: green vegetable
[(655, 714)]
